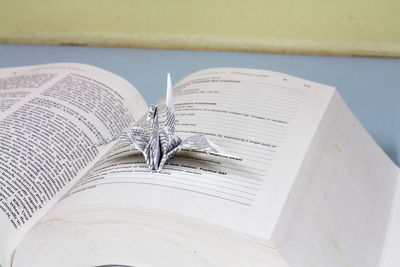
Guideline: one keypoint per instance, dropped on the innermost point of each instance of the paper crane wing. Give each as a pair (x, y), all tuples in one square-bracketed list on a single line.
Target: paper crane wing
[(135, 136), (202, 144), (198, 143)]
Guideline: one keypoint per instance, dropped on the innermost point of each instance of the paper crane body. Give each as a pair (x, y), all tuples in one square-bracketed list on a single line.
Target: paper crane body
[(160, 145)]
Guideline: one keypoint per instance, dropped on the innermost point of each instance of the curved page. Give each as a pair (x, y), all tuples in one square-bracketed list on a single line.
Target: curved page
[(50, 114)]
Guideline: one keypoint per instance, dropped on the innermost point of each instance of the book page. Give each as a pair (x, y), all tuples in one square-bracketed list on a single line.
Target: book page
[(118, 235), (265, 118), (50, 114), (339, 207), (390, 256)]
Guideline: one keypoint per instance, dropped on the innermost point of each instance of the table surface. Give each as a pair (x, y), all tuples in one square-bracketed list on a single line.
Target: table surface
[(370, 86)]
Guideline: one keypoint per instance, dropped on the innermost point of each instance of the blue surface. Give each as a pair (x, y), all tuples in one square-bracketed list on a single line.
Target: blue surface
[(370, 86)]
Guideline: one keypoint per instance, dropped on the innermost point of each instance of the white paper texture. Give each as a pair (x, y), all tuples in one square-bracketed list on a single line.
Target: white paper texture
[(118, 234), (339, 207), (390, 256)]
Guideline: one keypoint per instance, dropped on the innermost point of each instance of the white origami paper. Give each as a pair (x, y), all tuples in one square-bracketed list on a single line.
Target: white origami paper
[(160, 145)]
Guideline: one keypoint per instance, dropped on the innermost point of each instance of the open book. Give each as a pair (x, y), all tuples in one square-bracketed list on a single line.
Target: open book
[(312, 188)]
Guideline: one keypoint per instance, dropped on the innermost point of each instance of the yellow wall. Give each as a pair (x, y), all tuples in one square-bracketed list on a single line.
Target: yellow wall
[(341, 27)]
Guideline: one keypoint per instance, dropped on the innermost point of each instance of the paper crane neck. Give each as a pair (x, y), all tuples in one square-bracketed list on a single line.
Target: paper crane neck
[(153, 113)]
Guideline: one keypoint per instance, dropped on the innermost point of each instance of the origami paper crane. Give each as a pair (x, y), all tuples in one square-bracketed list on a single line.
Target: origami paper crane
[(160, 145)]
